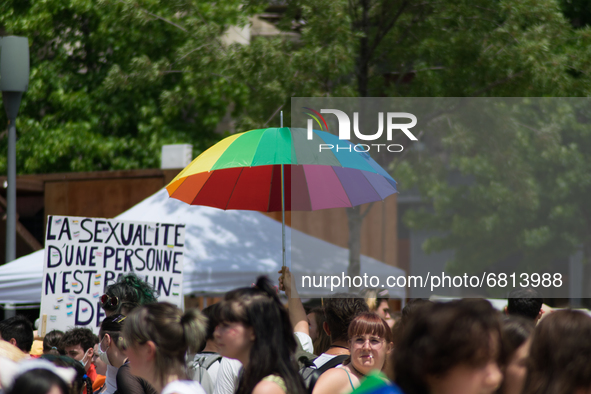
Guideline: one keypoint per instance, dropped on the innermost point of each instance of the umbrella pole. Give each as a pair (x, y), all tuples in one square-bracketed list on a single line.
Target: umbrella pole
[(282, 207), (282, 216)]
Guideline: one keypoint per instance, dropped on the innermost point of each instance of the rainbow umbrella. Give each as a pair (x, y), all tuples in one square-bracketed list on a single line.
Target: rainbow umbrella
[(279, 169)]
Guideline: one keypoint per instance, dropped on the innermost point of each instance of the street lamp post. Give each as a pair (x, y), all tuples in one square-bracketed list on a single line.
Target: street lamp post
[(14, 81)]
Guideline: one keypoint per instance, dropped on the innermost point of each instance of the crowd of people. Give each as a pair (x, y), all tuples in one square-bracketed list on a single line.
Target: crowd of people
[(250, 342)]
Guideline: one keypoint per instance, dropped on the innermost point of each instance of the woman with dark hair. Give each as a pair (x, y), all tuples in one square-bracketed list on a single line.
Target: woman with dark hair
[(119, 379), (449, 348), (127, 293), (370, 341), (81, 383), (515, 344), (320, 338), (560, 354), (255, 329), (51, 342), (39, 381), (157, 337)]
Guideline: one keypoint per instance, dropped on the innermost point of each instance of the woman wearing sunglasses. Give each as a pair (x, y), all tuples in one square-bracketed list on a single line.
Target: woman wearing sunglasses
[(119, 378), (254, 328), (127, 293), (370, 342)]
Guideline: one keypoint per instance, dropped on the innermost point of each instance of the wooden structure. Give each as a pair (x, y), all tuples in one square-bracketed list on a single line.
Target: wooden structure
[(378, 231), (94, 194)]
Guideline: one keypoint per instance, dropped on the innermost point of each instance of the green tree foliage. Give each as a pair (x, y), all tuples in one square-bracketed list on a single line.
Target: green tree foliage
[(113, 80), (461, 49), (525, 179)]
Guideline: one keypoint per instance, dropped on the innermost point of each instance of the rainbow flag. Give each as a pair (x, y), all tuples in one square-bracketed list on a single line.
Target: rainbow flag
[(375, 384)]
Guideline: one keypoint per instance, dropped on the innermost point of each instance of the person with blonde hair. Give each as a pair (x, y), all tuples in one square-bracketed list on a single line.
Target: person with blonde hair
[(157, 337), (378, 303)]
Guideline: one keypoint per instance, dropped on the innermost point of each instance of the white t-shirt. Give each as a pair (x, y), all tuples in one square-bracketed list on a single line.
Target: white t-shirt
[(213, 368), (305, 341), (227, 377), (323, 359), (183, 387), (213, 371), (229, 369), (111, 379)]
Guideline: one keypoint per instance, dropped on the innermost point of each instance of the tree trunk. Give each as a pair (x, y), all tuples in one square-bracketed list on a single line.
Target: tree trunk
[(363, 59), (586, 279), (354, 214)]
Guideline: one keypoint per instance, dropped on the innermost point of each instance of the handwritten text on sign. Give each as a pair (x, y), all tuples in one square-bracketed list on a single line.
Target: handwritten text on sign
[(85, 255)]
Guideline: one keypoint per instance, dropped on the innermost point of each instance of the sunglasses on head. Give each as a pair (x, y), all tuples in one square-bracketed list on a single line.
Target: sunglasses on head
[(109, 301)]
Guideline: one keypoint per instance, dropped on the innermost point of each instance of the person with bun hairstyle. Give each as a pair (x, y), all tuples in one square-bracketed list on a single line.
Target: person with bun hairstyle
[(157, 337), (255, 329), (121, 381), (51, 342)]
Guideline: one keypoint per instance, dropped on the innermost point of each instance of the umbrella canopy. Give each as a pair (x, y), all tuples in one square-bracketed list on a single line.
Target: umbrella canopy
[(243, 171)]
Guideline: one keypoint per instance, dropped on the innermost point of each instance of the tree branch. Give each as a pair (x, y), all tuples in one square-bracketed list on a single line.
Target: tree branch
[(381, 34), (364, 214), (496, 83), (136, 5), (420, 69), (403, 155), (274, 113), (185, 55)]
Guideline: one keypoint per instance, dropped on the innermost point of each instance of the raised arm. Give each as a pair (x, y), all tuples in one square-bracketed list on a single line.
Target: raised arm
[(297, 313)]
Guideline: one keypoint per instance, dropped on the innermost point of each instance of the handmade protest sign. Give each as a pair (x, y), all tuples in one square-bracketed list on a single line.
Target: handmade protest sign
[(85, 255)]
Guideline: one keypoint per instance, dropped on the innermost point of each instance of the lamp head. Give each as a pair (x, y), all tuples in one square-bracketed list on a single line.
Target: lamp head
[(14, 64)]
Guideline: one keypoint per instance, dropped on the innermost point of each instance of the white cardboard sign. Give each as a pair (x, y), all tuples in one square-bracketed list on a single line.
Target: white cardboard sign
[(85, 255)]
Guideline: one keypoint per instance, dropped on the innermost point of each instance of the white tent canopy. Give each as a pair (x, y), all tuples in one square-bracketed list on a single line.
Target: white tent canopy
[(223, 250)]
